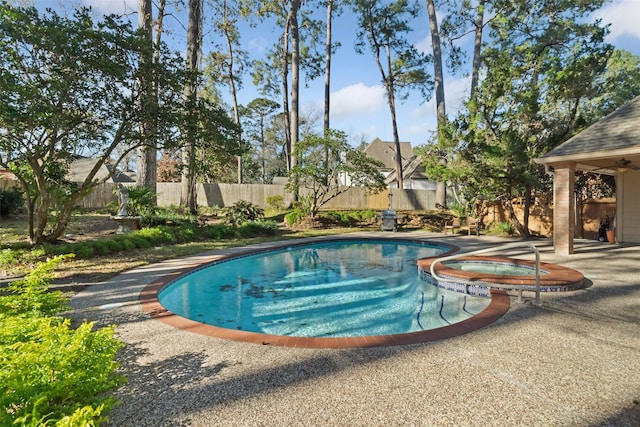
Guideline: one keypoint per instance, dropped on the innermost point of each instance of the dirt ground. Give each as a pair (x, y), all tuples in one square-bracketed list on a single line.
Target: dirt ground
[(91, 227)]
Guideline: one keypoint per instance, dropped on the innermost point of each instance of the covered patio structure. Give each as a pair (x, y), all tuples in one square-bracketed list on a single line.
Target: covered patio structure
[(610, 146)]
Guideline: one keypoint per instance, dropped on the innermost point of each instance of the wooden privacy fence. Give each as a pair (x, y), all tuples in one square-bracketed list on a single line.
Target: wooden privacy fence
[(354, 198), (222, 195), (588, 212)]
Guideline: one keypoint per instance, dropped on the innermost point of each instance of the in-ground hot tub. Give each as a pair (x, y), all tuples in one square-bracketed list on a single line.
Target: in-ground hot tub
[(474, 275)]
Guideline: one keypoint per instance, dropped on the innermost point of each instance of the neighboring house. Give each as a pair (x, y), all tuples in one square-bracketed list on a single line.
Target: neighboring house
[(610, 146), (7, 174), (385, 151), (80, 168), (413, 175)]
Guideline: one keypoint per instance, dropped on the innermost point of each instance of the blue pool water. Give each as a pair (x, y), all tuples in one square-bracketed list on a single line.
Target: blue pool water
[(356, 287), (493, 267)]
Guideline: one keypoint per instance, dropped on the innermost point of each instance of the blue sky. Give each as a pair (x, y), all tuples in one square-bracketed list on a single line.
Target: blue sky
[(358, 103)]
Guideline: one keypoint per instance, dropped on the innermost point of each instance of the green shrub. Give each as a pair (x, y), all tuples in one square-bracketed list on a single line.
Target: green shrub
[(29, 295), (101, 247), (155, 235), (218, 231), (367, 215), (142, 201), (11, 202), (83, 249), (275, 202), (125, 243), (184, 234), (10, 257), (258, 228), (502, 229), (51, 373), (242, 211), (345, 218), (139, 241), (293, 217)]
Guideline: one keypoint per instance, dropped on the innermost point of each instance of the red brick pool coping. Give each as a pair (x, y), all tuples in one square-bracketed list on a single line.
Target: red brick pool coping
[(553, 277), (498, 306)]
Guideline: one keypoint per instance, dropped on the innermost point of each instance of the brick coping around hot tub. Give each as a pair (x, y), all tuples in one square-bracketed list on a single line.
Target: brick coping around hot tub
[(553, 277), (499, 305)]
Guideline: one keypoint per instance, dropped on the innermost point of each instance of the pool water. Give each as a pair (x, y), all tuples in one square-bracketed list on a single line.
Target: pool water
[(487, 267), (346, 288)]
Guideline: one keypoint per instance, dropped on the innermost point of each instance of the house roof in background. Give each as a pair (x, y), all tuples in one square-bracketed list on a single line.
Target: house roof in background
[(81, 167), (412, 168), (385, 152)]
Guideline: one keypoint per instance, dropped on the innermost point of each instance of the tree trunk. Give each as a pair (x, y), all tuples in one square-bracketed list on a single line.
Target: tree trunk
[(285, 94), (147, 154), (441, 193), (327, 83), (231, 77), (477, 50), (295, 76), (387, 78), (527, 207), (396, 140), (327, 70), (194, 48), (508, 208)]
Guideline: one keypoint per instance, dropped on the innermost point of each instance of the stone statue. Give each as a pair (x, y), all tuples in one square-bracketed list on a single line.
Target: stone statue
[(123, 198)]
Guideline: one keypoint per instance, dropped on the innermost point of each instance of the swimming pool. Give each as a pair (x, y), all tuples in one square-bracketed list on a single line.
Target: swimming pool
[(333, 289)]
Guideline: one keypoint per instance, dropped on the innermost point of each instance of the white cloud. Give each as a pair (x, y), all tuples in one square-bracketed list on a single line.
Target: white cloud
[(456, 92), (419, 133), (424, 45), (112, 6), (356, 100), (623, 17), (258, 44)]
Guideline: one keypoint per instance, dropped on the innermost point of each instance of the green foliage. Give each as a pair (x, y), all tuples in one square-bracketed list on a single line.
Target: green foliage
[(241, 212), (294, 217), (382, 28), (142, 201), (184, 234), (11, 202), (367, 215), (51, 373), (348, 218), (324, 162), (257, 228), (463, 209), (539, 75), (30, 295), (175, 216), (220, 231), (10, 257), (70, 84), (340, 217), (502, 229), (209, 210), (275, 202)]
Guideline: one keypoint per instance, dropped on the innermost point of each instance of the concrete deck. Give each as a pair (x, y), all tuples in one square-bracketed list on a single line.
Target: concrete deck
[(574, 361)]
